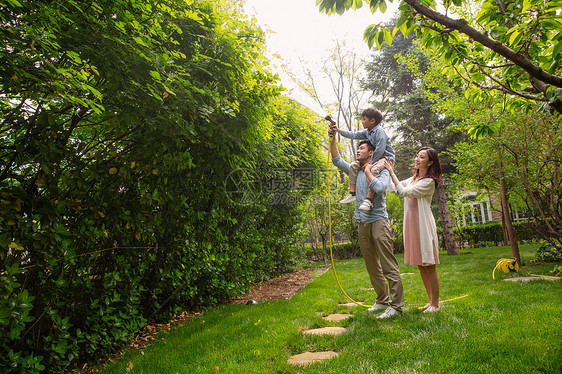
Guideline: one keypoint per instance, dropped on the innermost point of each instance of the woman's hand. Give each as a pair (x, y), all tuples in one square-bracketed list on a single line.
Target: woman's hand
[(388, 165)]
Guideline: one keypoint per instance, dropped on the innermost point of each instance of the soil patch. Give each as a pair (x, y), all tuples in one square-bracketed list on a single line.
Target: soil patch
[(283, 287)]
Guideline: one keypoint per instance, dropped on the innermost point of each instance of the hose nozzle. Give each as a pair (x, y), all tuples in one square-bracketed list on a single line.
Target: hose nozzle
[(328, 118), (332, 123)]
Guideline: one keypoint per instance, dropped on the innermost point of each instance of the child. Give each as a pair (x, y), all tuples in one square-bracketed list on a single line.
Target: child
[(370, 118)]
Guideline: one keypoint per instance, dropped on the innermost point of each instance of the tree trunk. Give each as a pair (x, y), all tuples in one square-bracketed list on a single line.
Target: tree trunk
[(446, 222), (508, 223), (324, 251), (504, 226)]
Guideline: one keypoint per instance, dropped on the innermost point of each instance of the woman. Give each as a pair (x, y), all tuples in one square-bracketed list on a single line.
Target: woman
[(420, 232)]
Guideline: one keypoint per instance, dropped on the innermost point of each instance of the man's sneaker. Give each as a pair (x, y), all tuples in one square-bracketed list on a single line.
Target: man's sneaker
[(389, 313), (348, 199), (376, 307), (366, 205)]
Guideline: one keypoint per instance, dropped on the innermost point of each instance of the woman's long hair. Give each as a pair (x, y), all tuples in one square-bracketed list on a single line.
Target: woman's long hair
[(434, 170)]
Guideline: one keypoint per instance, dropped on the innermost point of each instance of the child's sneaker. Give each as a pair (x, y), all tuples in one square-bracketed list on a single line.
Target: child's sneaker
[(366, 205), (348, 199)]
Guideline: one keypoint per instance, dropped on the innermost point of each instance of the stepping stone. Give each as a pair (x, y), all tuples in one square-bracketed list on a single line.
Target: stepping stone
[(337, 317), (526, 279), (311, 357), (325, 331)]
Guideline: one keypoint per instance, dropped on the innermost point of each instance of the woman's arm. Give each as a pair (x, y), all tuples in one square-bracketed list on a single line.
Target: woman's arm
[(423, 187), (393, 176)]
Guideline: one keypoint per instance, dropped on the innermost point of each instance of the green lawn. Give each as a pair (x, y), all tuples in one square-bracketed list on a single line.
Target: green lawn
[(500, 327)]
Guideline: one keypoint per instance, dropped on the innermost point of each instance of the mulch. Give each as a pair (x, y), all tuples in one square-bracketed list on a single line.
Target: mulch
[(283, 287)]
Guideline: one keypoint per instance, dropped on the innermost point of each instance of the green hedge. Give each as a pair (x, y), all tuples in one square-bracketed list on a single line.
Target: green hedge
[(122, 124), (340, 251), (491, 234)]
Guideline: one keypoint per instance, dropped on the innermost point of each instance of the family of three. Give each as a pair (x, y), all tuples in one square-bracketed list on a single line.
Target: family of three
[(370, 177)]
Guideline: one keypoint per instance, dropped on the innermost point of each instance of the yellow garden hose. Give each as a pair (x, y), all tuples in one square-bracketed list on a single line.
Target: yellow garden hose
[(506, 265)]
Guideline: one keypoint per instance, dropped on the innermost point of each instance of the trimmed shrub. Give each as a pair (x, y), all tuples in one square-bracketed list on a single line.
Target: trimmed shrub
[(491, 234)]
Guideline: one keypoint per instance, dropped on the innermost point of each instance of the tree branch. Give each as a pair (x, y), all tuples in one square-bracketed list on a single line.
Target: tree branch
[(462, 26), (500, 88)]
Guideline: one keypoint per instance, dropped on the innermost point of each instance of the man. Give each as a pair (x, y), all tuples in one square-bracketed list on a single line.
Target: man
[(375, 238)]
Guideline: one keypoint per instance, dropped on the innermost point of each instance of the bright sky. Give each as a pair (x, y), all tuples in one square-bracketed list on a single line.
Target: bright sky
[(302, 36)]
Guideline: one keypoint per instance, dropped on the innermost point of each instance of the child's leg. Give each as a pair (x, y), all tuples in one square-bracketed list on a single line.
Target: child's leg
[(354, 168), (376, 169)]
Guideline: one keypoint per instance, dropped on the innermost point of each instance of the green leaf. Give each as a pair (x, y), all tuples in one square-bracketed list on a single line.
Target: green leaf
[(388, 36), (553, 6), (513, 37), (380, 38), (15, 3), (551, 23), (139, 41), (370, 34), (557, 49)]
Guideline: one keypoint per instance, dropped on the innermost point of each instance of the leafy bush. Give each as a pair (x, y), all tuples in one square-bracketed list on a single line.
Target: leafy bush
[(340, 251), (344, 251), (548, 253), (491, 234), (121, 126)]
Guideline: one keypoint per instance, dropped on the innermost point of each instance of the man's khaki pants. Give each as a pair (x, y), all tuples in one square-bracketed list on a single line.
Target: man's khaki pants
[(375, 241)]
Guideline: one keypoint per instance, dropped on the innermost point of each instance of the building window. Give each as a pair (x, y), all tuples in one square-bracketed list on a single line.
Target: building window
[(477, 212), (519, 215)]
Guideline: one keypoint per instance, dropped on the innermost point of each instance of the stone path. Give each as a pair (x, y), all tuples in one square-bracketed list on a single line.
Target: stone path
[(337, 317), (325, 331), (312, 357), (526, 279)]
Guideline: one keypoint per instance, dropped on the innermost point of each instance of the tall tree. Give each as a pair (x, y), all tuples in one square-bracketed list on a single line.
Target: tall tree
[(523, 155), (511, 47)]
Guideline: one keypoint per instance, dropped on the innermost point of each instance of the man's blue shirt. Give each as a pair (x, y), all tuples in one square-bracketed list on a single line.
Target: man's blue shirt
[(378, 185)]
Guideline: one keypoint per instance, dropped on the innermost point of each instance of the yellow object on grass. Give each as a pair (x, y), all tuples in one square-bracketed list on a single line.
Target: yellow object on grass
[(506, 265)]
